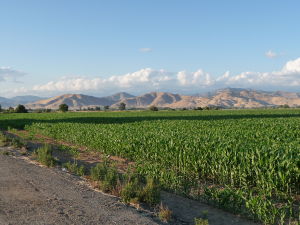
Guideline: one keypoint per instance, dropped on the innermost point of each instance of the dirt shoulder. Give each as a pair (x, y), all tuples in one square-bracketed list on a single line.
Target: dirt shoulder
[(30, 194)]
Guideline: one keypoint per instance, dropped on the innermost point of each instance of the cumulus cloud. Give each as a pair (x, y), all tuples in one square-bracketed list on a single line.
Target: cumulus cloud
[(145, 49), (145, 80), (9, 74)]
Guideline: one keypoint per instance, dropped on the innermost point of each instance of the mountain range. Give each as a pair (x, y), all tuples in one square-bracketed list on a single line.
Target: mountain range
[(7, 102), (225, 98)]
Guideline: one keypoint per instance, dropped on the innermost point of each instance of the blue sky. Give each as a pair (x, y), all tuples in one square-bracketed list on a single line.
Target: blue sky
[(49, 47)]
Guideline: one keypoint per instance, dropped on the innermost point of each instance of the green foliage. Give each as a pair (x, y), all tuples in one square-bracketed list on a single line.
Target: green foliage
[(250, 156), (200, 221), (131, 190), (21, 109), (99, 172), (107, 175), (17, 143), (44, 156), (110, 180), (150, 193), (3, 140), (63, 107), (75, 168)]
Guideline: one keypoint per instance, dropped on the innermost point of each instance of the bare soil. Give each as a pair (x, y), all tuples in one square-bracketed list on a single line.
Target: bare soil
[(30, 194)]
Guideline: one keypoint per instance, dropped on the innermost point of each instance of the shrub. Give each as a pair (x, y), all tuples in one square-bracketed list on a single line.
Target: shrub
[(151, 192), (75, 168), (44, 156), (131, 191), (99, 172), (110, 180), (153, 108)]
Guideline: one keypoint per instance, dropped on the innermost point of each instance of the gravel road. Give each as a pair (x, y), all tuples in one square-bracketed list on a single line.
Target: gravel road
[(30, 194)]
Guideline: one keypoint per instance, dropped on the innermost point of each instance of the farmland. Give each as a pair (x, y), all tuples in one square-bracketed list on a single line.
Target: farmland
[(244, 161)]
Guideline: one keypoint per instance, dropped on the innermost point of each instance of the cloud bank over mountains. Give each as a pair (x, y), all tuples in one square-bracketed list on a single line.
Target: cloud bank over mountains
[(144, 80)]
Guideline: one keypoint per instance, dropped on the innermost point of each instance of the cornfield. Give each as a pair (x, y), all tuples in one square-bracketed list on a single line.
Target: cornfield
[(244, 161)]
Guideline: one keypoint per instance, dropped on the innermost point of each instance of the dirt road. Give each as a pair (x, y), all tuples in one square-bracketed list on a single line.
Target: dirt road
[(34, 195)]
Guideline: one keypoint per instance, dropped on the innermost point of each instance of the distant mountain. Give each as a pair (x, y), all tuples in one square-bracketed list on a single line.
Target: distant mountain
[(25, 99), (7, 102), (153, 98), (225, 98)]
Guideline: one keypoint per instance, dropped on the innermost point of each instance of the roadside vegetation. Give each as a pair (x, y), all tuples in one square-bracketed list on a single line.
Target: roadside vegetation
[(44, 156), (243, 161)]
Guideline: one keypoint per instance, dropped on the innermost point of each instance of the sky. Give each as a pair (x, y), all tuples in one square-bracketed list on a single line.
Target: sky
[(98, 47)]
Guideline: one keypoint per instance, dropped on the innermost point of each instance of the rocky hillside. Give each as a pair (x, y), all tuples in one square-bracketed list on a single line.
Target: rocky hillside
[(225, 98), (77, 101)]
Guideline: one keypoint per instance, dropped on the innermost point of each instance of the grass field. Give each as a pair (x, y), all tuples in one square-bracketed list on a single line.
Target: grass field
[(245, 161)]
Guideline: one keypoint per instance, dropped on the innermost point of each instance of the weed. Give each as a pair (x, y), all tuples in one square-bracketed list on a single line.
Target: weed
[(44, 156), (165, 213), (131, 191), (17, 143), (110, 180), (5, 153), (200, 221), (75, 168), (3, 140), (151, 192), (99, 172)]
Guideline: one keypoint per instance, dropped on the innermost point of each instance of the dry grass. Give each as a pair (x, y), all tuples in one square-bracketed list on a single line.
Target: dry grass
[(165, 214)]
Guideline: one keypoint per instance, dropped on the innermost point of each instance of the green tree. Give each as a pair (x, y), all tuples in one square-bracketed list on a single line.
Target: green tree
[(63, 107), (21, 109), (0, 108), (153, 108), (286, 106), (122, 106), (106, 107)]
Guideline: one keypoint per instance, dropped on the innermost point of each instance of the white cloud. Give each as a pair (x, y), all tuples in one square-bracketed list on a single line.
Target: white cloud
[(145, 80), (270, 54), (9, 74), (145, 49)]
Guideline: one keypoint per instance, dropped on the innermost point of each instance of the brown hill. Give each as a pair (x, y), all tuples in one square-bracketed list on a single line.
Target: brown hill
[(160, 99), (225, 98), (76, 101)]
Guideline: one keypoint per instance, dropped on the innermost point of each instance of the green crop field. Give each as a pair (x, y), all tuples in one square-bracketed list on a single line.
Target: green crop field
[(245, 161)]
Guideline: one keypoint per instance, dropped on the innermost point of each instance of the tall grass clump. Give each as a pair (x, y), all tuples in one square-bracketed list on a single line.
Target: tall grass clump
[(75, 168), (44, 156)]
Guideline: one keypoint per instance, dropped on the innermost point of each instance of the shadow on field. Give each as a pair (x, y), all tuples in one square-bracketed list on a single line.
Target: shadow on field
[(21, 123)]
